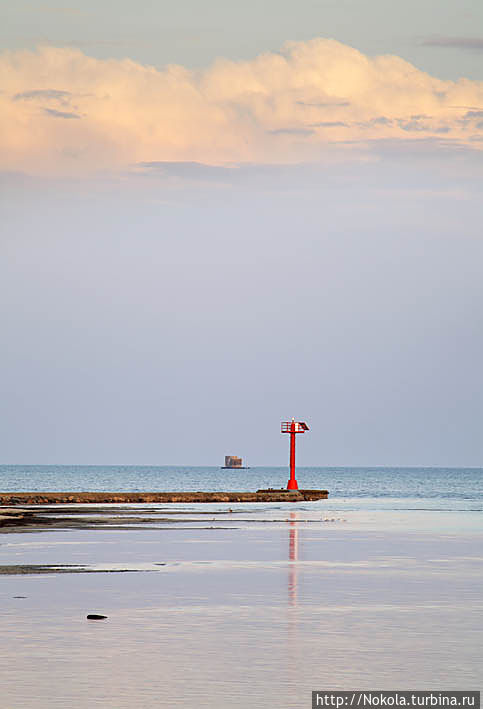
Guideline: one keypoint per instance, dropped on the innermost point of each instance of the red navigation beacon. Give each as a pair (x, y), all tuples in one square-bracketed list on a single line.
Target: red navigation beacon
[(293, 427)]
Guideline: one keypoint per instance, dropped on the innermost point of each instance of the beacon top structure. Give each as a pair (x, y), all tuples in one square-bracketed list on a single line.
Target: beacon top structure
[(293, 427)]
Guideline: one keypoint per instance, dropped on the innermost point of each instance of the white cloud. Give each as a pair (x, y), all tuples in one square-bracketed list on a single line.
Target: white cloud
[(310, 101)]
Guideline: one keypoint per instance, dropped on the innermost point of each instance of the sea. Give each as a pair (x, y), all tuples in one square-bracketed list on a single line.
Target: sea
[(462, 485), (246, 605)]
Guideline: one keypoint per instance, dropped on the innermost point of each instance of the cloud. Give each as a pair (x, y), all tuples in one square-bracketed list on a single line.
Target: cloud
[(59, 114), (291, 131), (378, 121), (189, 170), (325, 104), (474, 43), (56, 10), (313, 101), (44, 95), (329, 124)]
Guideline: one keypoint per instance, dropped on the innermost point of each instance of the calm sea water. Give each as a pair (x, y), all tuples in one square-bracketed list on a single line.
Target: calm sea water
[(463, 484), (247, 606)]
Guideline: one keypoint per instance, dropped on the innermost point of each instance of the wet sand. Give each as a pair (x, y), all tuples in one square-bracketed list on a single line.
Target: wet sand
[(61, 516), (19, 569)]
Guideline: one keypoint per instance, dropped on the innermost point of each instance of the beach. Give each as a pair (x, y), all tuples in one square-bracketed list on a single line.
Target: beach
[(241, 605)]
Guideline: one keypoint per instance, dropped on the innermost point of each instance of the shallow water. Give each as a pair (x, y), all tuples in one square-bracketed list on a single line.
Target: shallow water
[(251, 608)]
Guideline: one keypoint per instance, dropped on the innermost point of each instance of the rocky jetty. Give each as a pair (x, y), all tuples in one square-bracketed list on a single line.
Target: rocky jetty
[(53, 498)]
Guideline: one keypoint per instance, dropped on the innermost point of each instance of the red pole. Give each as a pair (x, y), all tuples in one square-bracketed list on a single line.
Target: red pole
[(292, 483)]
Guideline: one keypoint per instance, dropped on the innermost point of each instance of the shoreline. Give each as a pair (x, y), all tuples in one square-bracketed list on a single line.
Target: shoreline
[(36, 510)]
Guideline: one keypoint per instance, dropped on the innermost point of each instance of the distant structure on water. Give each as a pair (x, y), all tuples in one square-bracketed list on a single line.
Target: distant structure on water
[(233, 462)]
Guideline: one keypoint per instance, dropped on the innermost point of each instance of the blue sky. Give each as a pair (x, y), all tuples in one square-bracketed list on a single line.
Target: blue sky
[(441, 37), (286, 223)]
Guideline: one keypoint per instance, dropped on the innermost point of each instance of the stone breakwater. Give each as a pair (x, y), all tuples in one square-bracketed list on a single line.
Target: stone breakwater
[(52, 498)]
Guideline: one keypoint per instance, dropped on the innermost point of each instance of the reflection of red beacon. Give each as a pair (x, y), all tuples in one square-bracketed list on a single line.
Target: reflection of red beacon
[(293, 556), (293, 427)]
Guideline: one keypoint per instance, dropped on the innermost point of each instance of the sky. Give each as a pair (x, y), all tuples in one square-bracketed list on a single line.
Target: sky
[(216, 217)]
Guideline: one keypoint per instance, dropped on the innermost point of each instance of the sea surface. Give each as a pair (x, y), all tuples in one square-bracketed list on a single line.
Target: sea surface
[(464, 484), (247, 605)]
